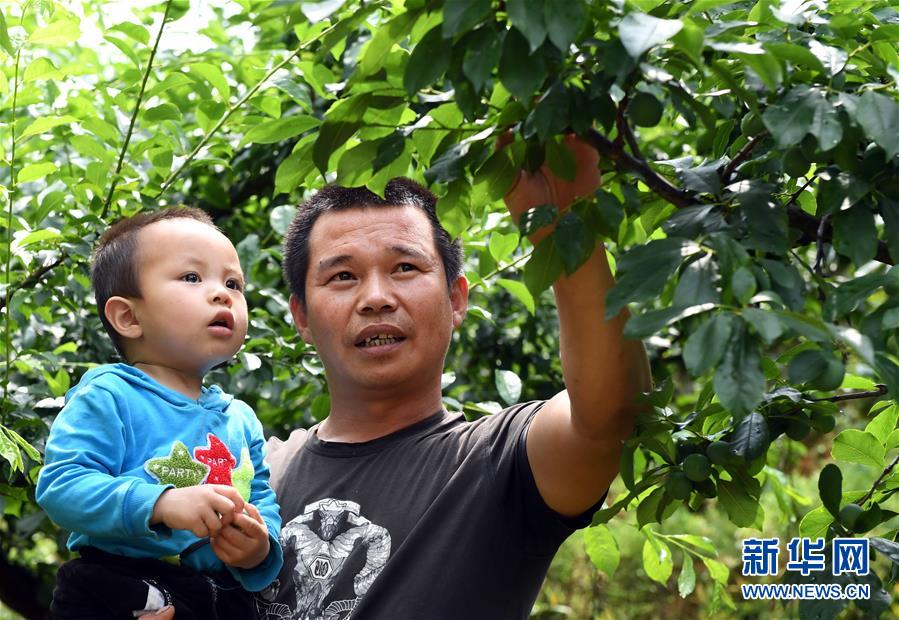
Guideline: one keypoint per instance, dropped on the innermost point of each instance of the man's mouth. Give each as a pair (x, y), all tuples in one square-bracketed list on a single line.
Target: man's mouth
[(379, 340)]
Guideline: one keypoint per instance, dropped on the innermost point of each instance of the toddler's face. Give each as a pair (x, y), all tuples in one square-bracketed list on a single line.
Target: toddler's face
[(192, 309)]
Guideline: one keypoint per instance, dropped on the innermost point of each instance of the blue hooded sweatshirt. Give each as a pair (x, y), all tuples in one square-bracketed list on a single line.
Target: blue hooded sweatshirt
[(123, 438)]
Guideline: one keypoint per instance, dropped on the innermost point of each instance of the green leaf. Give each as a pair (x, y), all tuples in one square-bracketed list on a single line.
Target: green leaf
[(572, 241), (717, 570), (162, 112), (826, 125), (41, 68), (855, 233), (849, 295), (482, 53), (276, 130), (214, 76), (61, 32), (429, 60), (643, 271), (519, 291), (5, 42), (879, 116), (815, 523), (527, 17), (602, 549), (508, 384), (830, 488), (134, 31), (640, 32), (686, 581), (643, 325), (807, 366), (544, 266), (501, 246), (384, 38), (855, 446), (292, 171), (498, 173), (741, 508), (766, 324), (791, 119), (751, 437), (460, 16), (519, 71), (331, 136), (44, 124), (281, 217), (33, 172), (705, 347), (884, 423), (9, 451), (696, 285), (657, 561), (739, 381), (564, 21)]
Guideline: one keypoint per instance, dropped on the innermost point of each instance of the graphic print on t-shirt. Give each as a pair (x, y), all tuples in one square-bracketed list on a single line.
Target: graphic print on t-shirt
[(339, 553)]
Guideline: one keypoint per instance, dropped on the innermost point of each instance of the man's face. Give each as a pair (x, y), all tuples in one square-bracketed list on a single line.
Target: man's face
[(377, 306), (192, 312)]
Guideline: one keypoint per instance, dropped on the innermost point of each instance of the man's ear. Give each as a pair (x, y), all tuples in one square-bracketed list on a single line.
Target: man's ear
[(459, 300), (121, 315), (300, 320)]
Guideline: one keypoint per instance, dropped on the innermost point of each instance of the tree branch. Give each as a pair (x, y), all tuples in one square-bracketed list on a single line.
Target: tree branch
[(623, 162), (31, 279), (883, 474), (741, 157), (140, 97), (880, 391)]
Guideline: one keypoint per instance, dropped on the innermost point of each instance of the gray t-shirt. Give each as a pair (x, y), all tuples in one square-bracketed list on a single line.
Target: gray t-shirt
[(440, 520)]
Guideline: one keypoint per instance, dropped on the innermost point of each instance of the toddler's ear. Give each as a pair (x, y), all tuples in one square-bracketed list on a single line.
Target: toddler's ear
[(120, 314)]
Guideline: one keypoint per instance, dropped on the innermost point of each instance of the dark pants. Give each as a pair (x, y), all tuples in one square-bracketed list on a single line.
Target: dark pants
[(103, 586)]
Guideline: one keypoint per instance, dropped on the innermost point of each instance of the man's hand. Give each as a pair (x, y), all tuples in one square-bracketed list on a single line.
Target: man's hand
[(204, 510), (544, 187), (245, 543)]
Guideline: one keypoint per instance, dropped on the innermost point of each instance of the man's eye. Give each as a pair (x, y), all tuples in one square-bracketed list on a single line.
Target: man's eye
[(193, 278), (406, 267), (234, 284), (342, 276)]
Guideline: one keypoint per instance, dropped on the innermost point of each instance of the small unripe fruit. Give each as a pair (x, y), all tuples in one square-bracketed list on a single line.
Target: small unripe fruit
[(719, 453), (849, 514), (825, 423), (678, 485), (645, 110), (697, 467)]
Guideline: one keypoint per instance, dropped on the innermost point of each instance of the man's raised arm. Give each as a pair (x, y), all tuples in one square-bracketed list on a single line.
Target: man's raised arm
[(574, 442)]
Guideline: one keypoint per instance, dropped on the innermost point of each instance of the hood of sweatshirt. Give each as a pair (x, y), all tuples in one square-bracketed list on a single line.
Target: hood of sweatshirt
[(211, 398)]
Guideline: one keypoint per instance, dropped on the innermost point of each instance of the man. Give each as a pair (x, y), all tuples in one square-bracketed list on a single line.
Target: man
[(392, 507)]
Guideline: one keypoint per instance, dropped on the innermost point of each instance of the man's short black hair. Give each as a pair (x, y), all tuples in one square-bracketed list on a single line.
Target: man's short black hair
[(114, 269), (400, 192)]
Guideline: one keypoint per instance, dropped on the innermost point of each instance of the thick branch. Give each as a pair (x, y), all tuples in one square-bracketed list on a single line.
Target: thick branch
[(624, 162)]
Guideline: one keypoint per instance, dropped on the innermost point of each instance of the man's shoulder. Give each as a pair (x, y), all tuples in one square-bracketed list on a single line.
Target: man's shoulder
[(280, 451)]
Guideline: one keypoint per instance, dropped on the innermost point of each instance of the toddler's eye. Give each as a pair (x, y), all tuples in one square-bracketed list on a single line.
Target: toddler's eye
[(193, 278), (234, 284)]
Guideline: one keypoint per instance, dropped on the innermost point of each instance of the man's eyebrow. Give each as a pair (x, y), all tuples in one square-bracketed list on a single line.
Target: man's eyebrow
[(334, 261), (405, 250)]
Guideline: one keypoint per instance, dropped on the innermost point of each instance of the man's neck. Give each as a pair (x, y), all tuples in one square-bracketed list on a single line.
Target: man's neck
[(355, 418)]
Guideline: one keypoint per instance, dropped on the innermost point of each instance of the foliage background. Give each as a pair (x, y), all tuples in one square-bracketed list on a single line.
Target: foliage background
[(750, 203)]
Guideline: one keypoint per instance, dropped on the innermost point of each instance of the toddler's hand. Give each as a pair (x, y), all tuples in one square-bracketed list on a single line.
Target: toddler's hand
[(204, 510), (245, 544)]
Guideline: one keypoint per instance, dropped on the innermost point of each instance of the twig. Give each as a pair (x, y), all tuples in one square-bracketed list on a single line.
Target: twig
[(741, 157), (877, 482), (624, 129), (880, 391), (819, 243), (252, 91), (10, 198), (140, 97), (500, 270), (31, 279)]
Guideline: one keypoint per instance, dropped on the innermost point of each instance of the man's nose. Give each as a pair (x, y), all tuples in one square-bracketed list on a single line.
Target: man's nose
[(376, 295)]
